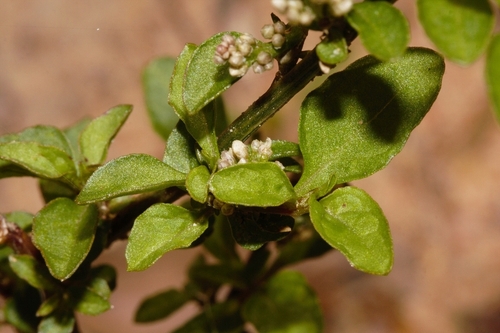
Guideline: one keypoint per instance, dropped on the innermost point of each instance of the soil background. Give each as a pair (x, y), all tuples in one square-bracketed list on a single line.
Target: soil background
[(63, 60)]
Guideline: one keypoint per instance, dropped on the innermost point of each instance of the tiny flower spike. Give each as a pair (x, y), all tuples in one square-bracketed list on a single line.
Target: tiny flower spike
[(295, 11)]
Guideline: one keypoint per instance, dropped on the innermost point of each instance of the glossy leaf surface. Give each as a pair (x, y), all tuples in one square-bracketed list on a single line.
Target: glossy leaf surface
[(360, 118), (96, 137), (199, 90), (252, 184), (64, 232), (155, 82), (383, 29), (493, 74), (353, 223), (459, 28), (286, 304), (160, 306), (162, 228), (130, 174)]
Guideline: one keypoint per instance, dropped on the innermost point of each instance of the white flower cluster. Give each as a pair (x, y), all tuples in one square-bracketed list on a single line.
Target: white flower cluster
[(239, 153), (235, 50), (295, 11), (298, 13)]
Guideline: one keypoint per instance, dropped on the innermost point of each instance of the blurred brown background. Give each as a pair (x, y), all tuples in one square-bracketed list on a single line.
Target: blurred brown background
[(61, 60)]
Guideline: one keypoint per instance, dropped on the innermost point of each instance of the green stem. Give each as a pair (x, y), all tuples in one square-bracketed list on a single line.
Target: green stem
[(281, 91)]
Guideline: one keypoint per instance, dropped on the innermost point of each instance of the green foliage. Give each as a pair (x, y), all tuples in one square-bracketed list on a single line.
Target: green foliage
[(156, 81), (360, 118), (64, 232), (162, 228), (459, 28), (493, 74), (383, 29), (234, 194), (270, 310), (353, 223)]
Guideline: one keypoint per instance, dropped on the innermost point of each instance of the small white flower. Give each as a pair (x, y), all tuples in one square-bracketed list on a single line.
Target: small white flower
[(240, 150), (340, 7), (280, 5), (258, 69), (278, 40), (236, 59), (264, 58), (279, 28), (267, 31)]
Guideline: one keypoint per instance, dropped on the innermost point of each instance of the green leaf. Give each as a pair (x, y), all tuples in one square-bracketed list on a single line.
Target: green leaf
[(204, 80), (57, 323), (303, 243), (180, 151), (333, 50), (383, 29), (49, 305), (459, 28), (130, 174), (221, 242), (97, 136), (360, 118), (197, 183), (64, 232), (23, 219), (90, 300), (42, 161), (20, 309), (201, 125), (220, 317), (282, 148), (73, 133), (493, 74), (155, 82), (29, 269), (52, 189), (353, 223), (162, 228), (252, 184), (160, 306), (48, 136), (252, 231), (286, 304), (106, 273)]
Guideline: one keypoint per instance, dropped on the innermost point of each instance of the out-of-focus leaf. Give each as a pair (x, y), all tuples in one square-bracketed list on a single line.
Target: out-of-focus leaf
[(493, 74), (285, 304), (52, 189), (23, 219), (129, 174), (57, 323), (29, 269), (459, 28), (160, 306), (155, 82), (64, 232), (221, 318), (20, 310), (96, 137), (162, 228), (383, 29), (353, 223), (333, 50)]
